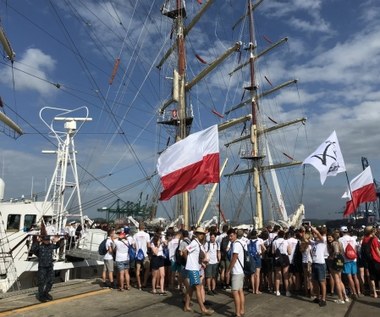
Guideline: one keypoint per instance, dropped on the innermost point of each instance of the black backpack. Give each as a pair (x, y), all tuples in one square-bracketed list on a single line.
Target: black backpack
[(223, 248), (365, 252), (179, 258), (102, 250), (269, 252)]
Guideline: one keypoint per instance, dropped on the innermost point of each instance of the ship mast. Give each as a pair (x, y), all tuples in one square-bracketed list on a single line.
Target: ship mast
[(254, 131), (182, 131), (182, 120)]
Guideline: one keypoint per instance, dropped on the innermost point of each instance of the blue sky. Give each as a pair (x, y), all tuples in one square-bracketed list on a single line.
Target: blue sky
[(333, 51)]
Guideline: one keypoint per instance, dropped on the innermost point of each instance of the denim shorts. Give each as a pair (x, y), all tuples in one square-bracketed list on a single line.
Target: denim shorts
[(318, 272), (122, 265)]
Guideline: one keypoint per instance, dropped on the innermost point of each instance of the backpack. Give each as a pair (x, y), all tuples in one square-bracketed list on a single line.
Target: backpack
[(252, 249), (223, 248), (179, 258), (365, 251), (268, 252), (131, 252), (281, 258), (165, 251), (102, 250), (248, 265), (350, 252), (140, 255)]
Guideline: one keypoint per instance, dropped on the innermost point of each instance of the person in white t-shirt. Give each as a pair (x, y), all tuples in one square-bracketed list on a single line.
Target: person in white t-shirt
[(211, 270), (192, 252), (142, 240), (318, 270), (350, 268), (281, 251), (258, 244), (108, 258), (175, 269), (235, 269), (122, 260)]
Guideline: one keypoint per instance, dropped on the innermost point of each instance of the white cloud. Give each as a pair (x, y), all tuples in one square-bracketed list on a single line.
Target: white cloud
[(33, 63)]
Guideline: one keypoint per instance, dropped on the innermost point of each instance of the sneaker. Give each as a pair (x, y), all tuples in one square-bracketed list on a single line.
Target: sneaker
[(214, 292), (42, 299), (277, 293), (339, 301), (322, 303), (316, 300), (48, 297), (210, 293), (347, 300), (228, 289), (288, 294)]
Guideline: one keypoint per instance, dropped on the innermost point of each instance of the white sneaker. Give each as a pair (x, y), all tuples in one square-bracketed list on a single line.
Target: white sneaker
[(339, 301), (288, 294), (347, 300), (278, 293)]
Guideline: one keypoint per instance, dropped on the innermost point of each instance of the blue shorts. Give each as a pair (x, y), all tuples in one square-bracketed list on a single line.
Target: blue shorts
[(350, 268), (122, 265), (194, 277), (318, 272)]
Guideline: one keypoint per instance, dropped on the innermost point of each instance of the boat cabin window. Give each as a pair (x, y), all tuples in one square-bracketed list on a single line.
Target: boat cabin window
[(28, 221), (171, 10), (13, 222)]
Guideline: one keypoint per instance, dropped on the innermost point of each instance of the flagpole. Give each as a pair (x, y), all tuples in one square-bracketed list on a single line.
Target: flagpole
[(352, 198)]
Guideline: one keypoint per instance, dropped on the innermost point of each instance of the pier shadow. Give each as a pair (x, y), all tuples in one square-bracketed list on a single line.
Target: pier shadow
[(217, 302)]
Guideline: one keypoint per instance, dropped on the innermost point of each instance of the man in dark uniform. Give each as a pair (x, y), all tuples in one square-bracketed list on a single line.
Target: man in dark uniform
[(44, 251)]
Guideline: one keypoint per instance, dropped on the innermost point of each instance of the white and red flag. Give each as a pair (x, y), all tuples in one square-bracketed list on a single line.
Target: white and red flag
[(363, 190), (190, 162), (327, 158)]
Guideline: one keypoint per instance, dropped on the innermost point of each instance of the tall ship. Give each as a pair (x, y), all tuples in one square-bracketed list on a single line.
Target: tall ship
[(231, 84), (149, 75)]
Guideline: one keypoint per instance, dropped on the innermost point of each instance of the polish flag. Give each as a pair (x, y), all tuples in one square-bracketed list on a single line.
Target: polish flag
[(363, 191), (189, 163)]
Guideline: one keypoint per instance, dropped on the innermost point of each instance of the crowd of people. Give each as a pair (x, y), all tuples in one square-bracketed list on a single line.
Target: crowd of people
[(309, 261)]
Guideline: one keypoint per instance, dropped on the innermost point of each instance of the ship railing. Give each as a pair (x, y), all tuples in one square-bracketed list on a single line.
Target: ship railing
[(87, 246)]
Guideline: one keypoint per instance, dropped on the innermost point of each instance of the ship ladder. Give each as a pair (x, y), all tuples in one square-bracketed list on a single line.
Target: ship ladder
[(7, 263)]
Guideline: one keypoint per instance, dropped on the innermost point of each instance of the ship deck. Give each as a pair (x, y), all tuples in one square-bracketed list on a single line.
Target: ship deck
[(88, 298)]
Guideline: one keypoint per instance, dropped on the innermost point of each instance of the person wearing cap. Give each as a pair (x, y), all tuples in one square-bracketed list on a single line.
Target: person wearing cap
[(193, 264), (44, 250), (350, 268)]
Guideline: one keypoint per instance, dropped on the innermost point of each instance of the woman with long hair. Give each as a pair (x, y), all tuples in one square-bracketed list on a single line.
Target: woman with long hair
[(333, 248), (158, 264)]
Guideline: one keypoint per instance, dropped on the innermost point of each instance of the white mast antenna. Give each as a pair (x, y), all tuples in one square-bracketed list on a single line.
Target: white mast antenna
[(66, 166)]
